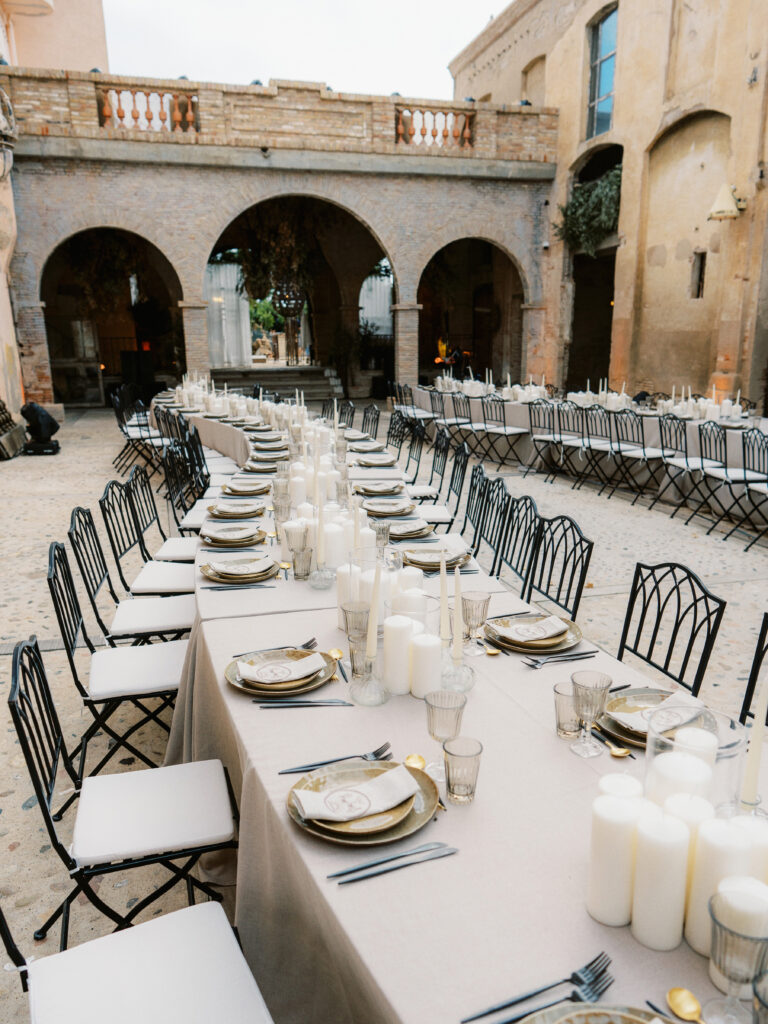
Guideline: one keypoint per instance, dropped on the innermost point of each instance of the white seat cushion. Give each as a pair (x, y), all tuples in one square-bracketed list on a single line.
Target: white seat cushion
[(646, 453), (164, 578), (194, 519), (422, 491), (219, 479), (493, 428), (735, 475), (137, 814), (184, 966), (436, 513), (153, 615), (544, 438), (122, 671), (177, 549), (758, 488), (694, 462)]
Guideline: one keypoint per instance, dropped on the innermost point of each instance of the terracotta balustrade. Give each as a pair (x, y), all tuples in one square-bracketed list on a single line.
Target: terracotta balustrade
[(145, 110), (416, 126)]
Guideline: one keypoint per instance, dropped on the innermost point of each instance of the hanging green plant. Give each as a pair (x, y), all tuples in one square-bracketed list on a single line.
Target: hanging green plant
[(592, 213)]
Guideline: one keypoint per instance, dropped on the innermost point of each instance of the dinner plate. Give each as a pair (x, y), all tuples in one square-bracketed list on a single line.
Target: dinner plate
[(423, 811), (385, 510), (277, 690), (613, 730), (371, 823), (451, 561), (637, 698), (365, 447), (591, 1013), (216, 513), (383, 491), (261, 467), (258, 538), (572, 636), (423, 531), (267, 660), (217, 577), (270, 454), (251, 490), (374, 461)]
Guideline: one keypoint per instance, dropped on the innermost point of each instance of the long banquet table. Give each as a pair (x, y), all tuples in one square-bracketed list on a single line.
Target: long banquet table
[(434, 942)]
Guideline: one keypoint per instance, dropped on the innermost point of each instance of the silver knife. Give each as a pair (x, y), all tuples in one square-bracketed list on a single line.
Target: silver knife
[(396, 867), (240, 586), (393, 856)]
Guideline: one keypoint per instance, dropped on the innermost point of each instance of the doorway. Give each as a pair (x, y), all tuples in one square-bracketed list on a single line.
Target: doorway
[(590, 352)]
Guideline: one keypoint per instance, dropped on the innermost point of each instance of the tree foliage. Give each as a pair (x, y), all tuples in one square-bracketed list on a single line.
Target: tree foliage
[(592, 212)]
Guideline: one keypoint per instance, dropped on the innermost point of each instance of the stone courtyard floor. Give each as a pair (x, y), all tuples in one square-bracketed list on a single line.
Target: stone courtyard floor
[(38, 495)]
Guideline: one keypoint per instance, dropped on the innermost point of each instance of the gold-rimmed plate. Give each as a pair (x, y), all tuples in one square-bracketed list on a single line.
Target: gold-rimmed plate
[(423, 811), (260, 467), (381, 491), (251, 490), (241, 542), (270, 454), (366, 447), (371, 823), (562, 642), (372, 462), (217, 513), (591, 1013), (617, 732), (636, 698), (278, 690), (423, 531), (387, 509), (231, 578), (451, 562)]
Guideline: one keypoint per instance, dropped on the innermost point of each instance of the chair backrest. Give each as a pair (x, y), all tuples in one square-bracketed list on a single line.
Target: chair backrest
[(673, 433), (40, 737), (559, 564), (493, 517), (597, 423), (754, 673), (712, 441), (629, 427), (69, 615), (474, 506), (493, 411), (461, 408), (120, 524), (198, 466), (437, 403), (440, 452), (541, 416), (671, 622), (347, 413), (519, 539), (398, 429), (754, 448), (570, 419), (143, 506), (458, 475), (178, 480), (371, 420), (415, 447), (328, 406), (89, 555)]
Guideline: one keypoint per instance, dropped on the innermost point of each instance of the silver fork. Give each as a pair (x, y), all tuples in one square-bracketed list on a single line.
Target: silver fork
[(588, 993), (543, 662), (380, 754), (585, 975), (308, 645)]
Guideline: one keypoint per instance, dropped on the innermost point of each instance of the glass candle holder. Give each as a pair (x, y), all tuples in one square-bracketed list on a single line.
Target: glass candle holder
[(355, 616), (368, 690), (296, 535), (694, 750), (302, 562)]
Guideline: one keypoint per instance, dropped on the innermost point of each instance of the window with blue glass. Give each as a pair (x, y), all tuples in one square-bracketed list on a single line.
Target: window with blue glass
[(602, 66)]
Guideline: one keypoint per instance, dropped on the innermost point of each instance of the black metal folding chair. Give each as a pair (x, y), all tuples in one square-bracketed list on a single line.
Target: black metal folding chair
[(117, 675), (569, 438), (347, 413), (713, 445), (493, 518), (501, 440), (634, 457), (180, 486), (124, 821), (736, 479), (541, 427), (142, 500), (761, 650), (139, 619), (560, 563), (415, 447), (371, 420), (432, 490), (595, 447), (397, 432), (455, 486), (679, 465), (327, 411), (671, 622), (519, 538), (467, 431), (474, 507)]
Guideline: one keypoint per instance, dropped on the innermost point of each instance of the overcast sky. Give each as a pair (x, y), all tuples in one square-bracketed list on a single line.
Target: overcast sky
[(352, 45)]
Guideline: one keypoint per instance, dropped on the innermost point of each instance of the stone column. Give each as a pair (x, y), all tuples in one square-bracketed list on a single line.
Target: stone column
[(33, 352), (534, 359), (195, 316), (349, 314), (406, 316)]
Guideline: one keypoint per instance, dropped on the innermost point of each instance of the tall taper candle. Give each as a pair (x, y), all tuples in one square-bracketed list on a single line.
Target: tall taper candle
[(445, 622), (373, 615), (320, 533), (752, 763), (458, 619)]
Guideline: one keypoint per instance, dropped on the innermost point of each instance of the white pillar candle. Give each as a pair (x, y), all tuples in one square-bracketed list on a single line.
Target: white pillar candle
[(612, 859), (410, 602), (661, 865), (373, 616), (458, 619), (620, 784), (297, 469), (398, 630), (752, 762), (693, 810), (445, 622), (744, 910), (321, 487), (425, 664), (334, 479), (675, 771), (305, 510), (756, 827), (411, 577), (298, 491), (320, 535), (722, 849), (699, 742), (368, 538)]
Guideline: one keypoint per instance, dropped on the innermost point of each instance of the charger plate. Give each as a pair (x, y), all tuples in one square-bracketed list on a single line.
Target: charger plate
[(365, 447), (636, 698), (261, 467), (387, 490), (372, 461), (371, 823), (253, 489), (591, 1013), (382, 512), (424, 531), (425, 803), (277, 690), (218, 577), (228, 545), (573, 634), (215, 513), (451, 562)]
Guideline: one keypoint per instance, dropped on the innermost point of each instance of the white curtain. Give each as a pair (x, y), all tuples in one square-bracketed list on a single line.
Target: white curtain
[(229, 322)]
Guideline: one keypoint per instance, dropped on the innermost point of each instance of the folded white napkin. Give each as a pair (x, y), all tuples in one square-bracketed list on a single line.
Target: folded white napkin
[(355, 435), (378, 459), (406, 529), (264, 455), (682, 708), (233, 531), (282, 670), (244, 508), (384, 487), (249, 568), (523, 632), (398, 505), (433, 552), (243, 486), (345, 803), (366, 446)]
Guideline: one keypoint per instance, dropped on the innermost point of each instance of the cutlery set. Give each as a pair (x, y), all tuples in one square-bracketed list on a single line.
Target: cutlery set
[(379, 754), (371, 868), (543, 660)]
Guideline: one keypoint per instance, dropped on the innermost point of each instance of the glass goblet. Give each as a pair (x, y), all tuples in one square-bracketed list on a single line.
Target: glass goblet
[(474, 608), (445, 709), (738, 957), (590, 690), (381, 529)]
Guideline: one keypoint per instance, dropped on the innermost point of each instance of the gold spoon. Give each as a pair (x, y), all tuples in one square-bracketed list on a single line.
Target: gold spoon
[(338, 655), (615, 751), (684, 1004), (285, 566)]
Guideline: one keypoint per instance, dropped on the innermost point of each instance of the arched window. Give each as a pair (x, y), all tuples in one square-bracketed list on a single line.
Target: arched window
[(602, 65)]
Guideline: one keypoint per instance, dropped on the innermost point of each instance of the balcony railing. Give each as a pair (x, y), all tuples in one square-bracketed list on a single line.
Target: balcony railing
[(422, 126), (147, 110)]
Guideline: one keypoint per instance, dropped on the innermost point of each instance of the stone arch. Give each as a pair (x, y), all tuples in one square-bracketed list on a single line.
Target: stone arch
[(440, 240)]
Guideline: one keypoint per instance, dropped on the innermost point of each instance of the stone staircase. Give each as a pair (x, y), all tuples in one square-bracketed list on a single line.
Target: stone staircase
[(317, 382)]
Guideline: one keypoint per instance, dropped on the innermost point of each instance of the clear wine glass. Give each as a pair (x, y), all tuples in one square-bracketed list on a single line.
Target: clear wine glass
[(590, 690), (445, 709), (474, 608)]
